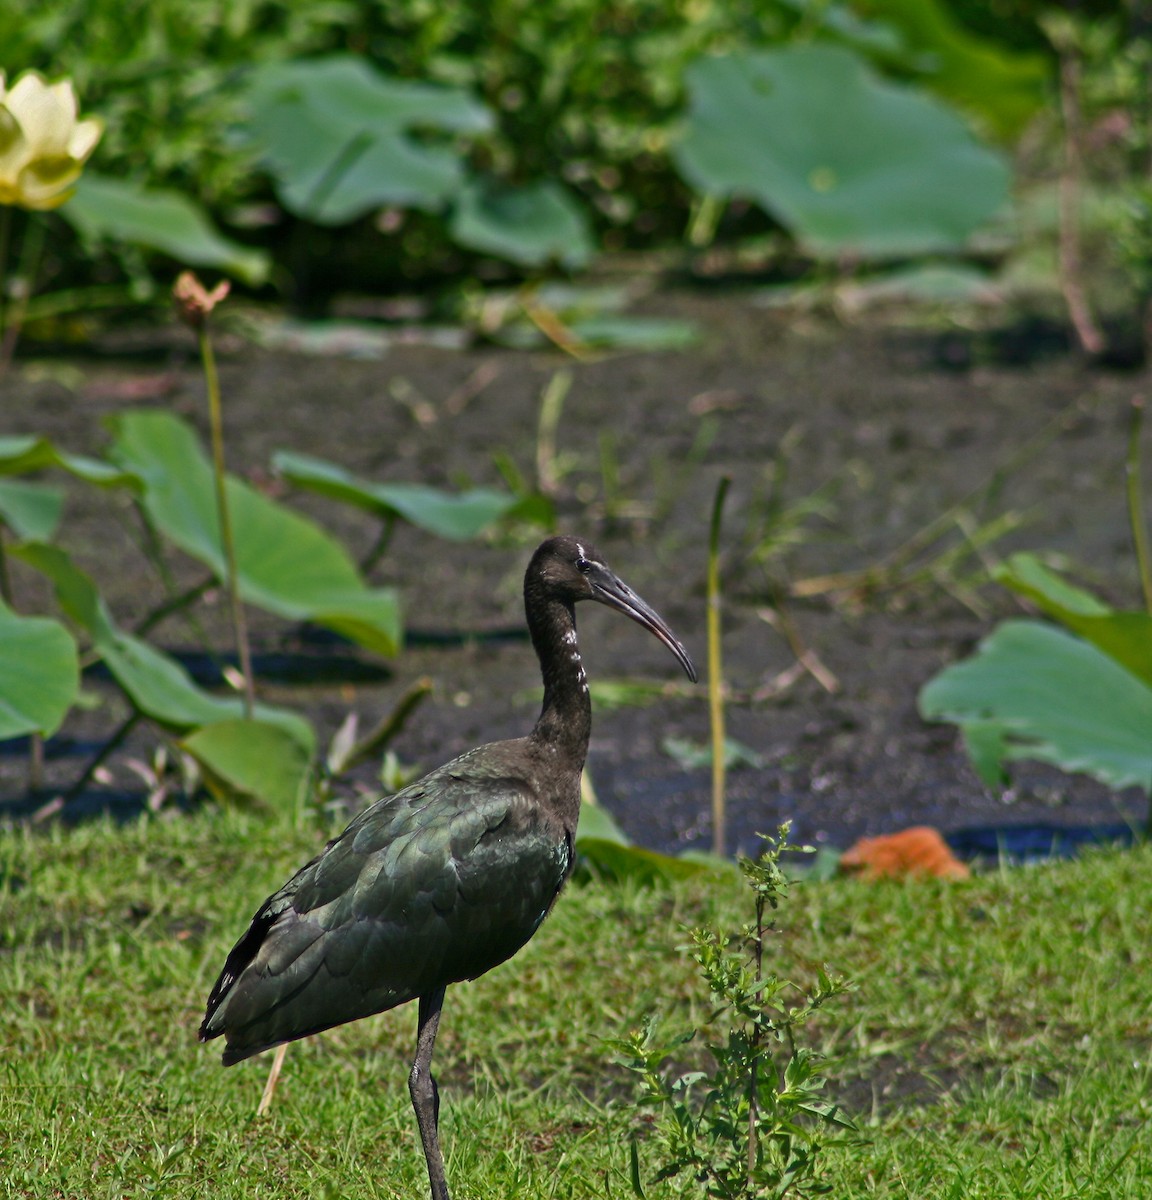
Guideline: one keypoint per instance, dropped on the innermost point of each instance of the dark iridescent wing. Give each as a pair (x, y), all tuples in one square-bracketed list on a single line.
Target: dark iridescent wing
[(436, 884)]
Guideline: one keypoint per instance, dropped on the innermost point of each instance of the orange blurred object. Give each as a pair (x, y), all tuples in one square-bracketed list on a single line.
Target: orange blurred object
[(911, 852)]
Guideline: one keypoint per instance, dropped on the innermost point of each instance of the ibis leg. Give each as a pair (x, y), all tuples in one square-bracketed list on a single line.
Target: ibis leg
[(425, 1094)]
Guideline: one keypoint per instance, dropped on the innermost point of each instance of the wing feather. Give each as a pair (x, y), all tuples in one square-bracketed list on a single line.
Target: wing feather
[(439, 883)]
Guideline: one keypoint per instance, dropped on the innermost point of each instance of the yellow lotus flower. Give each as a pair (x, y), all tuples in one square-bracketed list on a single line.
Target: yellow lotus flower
[(43, 147)]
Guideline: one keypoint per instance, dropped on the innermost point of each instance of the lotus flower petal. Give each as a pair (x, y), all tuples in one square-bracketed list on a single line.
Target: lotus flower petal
[(47, 182), (84, 138), (43, 147)]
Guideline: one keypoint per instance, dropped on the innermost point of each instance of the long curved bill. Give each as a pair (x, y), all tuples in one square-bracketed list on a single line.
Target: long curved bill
[(611, 590)]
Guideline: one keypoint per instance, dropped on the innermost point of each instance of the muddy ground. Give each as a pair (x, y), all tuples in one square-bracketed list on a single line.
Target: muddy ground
[(890, 419)]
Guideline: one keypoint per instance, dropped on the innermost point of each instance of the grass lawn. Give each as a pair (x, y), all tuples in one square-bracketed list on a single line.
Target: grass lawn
[(998, 1044)]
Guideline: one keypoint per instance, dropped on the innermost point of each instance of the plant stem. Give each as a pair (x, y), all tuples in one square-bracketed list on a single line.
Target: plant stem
[(704, 220), (1136, 502), (173, 605), (552, 327), (391, 725), (101, 755), (231, 581), (715, 671), (5, 580), (5, 242), (754, 1067), (380, 546), (24, 285), (551, 406), (1071, 274)]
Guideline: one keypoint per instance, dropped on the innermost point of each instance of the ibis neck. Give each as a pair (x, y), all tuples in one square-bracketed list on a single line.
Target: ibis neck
[(565, 720)]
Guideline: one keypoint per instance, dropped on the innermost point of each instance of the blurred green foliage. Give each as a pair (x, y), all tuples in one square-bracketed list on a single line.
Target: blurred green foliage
[(584, 89), (894, 173), (1113, 57), (586, 93), (999, 85), (1078, 697), (286, 564)]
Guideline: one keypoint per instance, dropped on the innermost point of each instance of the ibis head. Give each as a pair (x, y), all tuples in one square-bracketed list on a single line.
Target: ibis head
[(574, 570)]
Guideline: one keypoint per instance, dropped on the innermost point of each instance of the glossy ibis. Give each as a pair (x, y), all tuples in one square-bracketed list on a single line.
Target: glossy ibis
[(442, 881)]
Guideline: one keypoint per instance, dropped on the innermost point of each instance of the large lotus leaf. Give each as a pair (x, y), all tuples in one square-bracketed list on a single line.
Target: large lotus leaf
[(334, 183), (285, 563), (1125, 636), (1034, 691), (159, 219), (344, 88), (157, 685), (39, 674), (26, 452), (848, 163), (336, 135), (1003, 87), (457, 516), (530, 225), (252, 760), (30, 510)]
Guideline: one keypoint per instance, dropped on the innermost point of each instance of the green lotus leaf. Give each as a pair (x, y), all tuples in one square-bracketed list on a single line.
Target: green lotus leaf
[(252, 760), (530, 225), (285, 562), (159, 219), (337, 137), (457, 516), (39, 674), (1035, 692), (847, 162)]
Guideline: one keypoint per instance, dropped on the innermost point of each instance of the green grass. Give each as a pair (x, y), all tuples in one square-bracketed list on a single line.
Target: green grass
[(998, 1045)]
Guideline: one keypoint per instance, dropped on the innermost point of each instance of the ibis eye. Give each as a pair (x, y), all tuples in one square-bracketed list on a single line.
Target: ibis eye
[(583, 565)]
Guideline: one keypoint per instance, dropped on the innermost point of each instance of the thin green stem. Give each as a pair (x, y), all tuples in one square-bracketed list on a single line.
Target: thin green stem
[(1071, 266), (14, 312), (103, 754), (231, 582), (716, 673), (147, 537), (704, 221), (551, 406), (172, 605), (380, 546), (754, 1066), (5, 242), (377, 738), (1139, 529), (5, 579), (1136, 502)]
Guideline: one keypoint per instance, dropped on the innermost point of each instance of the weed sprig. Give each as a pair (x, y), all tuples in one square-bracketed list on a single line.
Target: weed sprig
[(754, 1123)]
